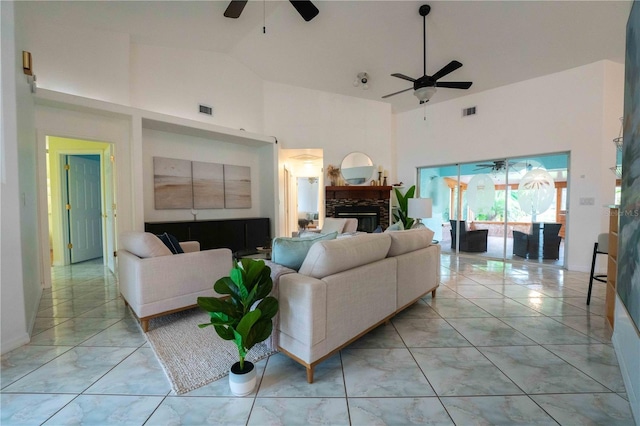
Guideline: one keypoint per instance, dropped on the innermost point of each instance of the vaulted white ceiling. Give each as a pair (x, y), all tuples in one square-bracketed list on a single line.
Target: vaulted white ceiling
[(499, 42)]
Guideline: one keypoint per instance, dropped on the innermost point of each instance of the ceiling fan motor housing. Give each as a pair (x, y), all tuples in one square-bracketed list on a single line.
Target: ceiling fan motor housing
[(424, 81)]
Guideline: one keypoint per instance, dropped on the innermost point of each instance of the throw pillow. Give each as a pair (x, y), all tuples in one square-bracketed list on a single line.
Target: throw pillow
[(143, 244), (290, 252), (398, 226), (171, 242), (378, 230)]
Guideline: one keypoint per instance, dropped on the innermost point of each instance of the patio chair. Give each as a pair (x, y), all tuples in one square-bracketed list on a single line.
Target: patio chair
[(527, 245), (551, 241), (470, 241)]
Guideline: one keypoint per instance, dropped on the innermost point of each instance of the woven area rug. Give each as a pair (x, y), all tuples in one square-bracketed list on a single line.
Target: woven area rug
[(191, 356)]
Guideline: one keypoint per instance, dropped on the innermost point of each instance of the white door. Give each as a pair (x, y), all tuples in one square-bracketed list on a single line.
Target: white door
[(84, 207)]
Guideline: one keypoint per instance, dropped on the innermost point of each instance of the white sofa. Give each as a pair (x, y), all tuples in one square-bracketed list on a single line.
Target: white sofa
[(155, 282), (347, 287)]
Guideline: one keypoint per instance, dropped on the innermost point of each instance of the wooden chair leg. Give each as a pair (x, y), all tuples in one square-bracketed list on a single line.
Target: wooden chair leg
[(145, 325), (309, 374), (433, 293)]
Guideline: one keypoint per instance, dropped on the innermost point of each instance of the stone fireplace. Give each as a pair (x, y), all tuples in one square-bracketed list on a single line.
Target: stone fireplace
[(369, 204)]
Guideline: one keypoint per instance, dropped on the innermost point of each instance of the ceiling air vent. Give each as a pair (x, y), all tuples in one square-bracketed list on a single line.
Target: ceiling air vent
[(204, 109), (468, 111)]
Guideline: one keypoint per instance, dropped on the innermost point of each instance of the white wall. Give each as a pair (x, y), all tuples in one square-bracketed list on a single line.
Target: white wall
[(304, 118), (94, 64), (14, 317), (170, 145), (175, 81), (576, 110)]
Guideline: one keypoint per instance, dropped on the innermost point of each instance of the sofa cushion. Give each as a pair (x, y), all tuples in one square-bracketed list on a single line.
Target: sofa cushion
[(171, 242), (143, 244), (290, 252), (330, 257), (410, 240), (332, 224)]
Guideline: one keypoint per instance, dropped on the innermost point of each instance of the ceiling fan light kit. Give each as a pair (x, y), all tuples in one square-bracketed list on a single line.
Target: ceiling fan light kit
[(425, 87), (424, 93)]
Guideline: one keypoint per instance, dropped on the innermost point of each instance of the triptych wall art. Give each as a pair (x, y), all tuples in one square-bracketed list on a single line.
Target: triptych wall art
[(184, 184)]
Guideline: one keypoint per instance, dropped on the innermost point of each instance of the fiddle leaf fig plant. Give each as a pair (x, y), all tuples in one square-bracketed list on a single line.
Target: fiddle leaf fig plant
[(401, 214), (244, 314)]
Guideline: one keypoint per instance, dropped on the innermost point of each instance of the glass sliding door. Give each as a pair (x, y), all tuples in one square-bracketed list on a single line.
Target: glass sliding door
[(538, 215), (441, 184), (497, 208)]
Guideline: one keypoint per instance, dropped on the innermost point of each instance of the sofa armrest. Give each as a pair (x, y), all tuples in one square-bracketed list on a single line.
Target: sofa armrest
[(190, 246), (303, 308)]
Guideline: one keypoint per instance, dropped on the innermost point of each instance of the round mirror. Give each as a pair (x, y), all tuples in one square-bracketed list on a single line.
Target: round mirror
[(357, 169)]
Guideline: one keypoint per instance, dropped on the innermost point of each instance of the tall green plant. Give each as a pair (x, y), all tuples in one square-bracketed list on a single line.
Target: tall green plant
[(243, 316), (401, 215)]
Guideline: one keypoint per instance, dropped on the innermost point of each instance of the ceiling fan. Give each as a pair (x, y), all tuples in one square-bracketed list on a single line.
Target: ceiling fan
[(305, 8), (496, 166), (425, 87)]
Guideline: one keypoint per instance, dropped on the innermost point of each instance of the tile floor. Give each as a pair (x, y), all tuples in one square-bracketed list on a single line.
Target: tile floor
[(500, 344)]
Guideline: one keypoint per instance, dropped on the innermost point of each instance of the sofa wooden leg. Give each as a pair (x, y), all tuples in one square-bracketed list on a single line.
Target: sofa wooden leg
[(433, 293), (145, 325), (309, 374)]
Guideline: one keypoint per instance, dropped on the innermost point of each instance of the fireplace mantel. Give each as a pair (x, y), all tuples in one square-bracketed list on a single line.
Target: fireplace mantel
[(358, 192)]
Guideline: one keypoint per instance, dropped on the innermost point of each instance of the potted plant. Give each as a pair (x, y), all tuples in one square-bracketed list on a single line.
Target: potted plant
[(401, 214), (243, 315), (334, 174)]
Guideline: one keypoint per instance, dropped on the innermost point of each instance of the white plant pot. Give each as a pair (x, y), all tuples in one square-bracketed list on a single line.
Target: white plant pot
[(242, 383)]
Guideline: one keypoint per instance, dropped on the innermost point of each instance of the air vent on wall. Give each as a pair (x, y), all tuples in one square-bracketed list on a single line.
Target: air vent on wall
[(468, 111), (205, 109)]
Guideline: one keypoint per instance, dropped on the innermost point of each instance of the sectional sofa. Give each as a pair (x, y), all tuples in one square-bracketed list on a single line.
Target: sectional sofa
[(347, 287)]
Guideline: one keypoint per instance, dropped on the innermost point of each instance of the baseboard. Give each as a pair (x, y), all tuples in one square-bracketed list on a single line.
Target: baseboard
[(15, 343)]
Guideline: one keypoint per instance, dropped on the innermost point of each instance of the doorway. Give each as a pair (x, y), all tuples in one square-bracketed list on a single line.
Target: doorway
[(80, 222), (304, 188)]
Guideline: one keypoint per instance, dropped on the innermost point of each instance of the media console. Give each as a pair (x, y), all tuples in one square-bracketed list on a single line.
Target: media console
[(239, 235)]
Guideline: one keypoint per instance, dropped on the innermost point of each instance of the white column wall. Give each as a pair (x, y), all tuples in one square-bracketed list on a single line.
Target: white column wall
[(575, 110), (14, 330)]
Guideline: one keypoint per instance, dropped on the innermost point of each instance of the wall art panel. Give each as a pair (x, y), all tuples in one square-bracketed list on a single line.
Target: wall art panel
[(172, 183), (237, 187), (208, 185)]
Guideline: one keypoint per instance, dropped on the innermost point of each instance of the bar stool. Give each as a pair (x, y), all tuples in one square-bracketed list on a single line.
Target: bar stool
[(600, 247)]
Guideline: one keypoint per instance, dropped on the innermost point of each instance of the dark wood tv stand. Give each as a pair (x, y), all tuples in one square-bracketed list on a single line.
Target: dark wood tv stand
[(239, 235)]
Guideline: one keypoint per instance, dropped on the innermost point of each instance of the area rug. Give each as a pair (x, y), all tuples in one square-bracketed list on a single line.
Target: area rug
[(192, 356)]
